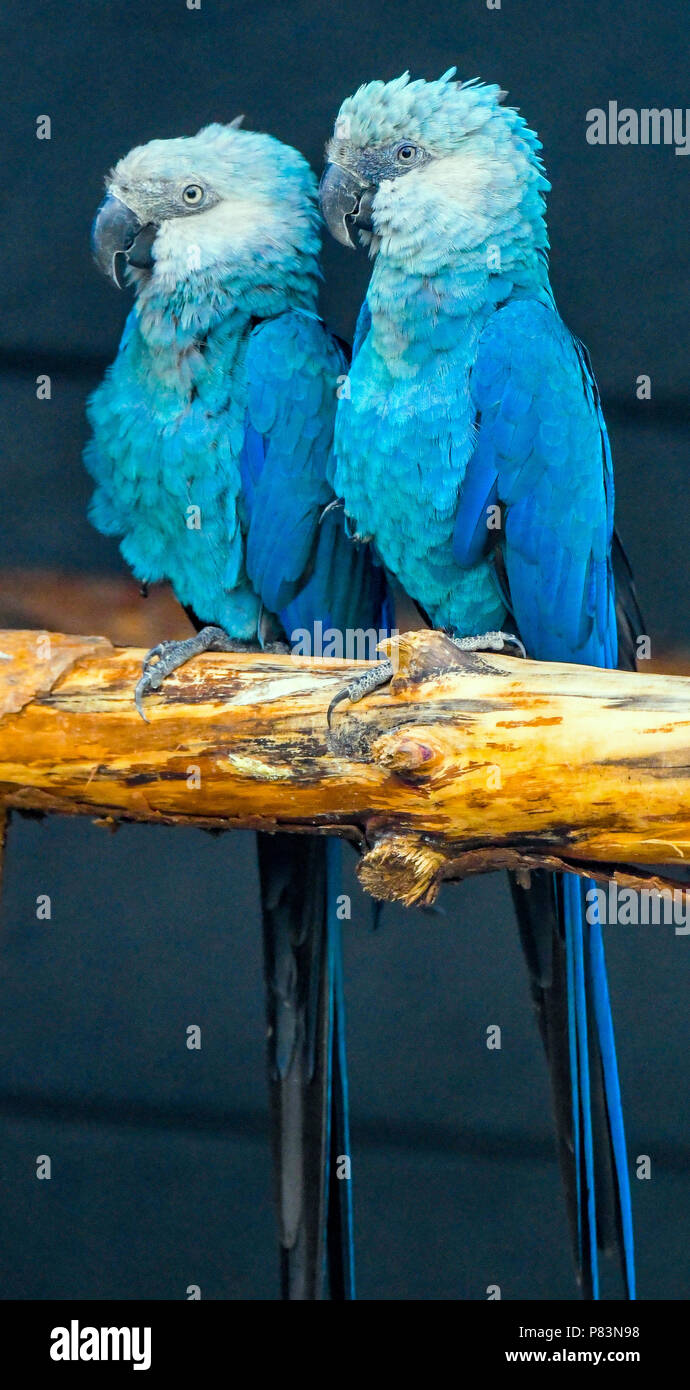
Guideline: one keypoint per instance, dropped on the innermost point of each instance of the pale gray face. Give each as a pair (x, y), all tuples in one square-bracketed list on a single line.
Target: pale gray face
[(129, 218), (202, 203), (155, 184), (158, 200), (468, 161), (352, 176)]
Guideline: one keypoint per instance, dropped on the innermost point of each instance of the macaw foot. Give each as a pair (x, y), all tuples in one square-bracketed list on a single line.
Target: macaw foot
[(167, 657), (373, 679), (491, 642), (380, 674)]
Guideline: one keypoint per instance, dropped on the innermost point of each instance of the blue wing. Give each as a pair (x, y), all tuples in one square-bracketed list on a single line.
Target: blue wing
[(542, 454), (292, 368), (303, 568)]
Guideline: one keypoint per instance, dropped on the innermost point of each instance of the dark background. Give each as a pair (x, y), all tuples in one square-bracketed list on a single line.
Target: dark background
[(160, 1164)]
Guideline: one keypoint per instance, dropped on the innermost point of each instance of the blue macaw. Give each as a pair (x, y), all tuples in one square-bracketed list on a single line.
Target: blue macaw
[(212, 439), (469, 401)]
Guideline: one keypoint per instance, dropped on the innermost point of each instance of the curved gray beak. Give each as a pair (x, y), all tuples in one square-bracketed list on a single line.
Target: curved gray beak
[(119, 239), (345, 203)]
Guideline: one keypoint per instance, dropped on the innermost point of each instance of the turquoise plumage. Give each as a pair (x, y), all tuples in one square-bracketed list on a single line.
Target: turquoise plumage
[(211, 448), (472, 451)]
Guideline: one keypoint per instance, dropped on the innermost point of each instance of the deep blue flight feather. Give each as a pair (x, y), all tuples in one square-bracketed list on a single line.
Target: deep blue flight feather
[(539, 421)]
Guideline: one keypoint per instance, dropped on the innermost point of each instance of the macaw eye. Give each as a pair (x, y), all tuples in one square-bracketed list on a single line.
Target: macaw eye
[(192, 194), (405, 153)]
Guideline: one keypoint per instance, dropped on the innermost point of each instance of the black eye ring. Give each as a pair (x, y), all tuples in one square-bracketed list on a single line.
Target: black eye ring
[(406, 153), (192, 194)]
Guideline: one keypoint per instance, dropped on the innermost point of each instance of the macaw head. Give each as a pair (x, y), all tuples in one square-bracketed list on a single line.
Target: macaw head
[(413, 165), (206, 209)]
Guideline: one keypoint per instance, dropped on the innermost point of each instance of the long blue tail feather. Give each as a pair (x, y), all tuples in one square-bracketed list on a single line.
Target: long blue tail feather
[(588, 1002), (300, 878), (341, 1252), (607, 1046), (581, 1093), (574, 1078), (562, 943)]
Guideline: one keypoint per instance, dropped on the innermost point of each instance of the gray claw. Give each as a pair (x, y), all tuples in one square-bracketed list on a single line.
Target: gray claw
[(158, 651), (372, 679), (337, 700), (141, 690), (170, 656), (152, 676)]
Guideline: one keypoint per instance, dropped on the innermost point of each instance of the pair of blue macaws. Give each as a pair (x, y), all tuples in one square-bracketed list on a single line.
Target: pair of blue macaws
[(220, 439)]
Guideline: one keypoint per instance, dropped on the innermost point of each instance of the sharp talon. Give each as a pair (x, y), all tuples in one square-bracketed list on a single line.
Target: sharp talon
[(374, 678), (337, 700), (337, 502), (510, 641), (147, 682), (167, 657), (141, 690), (154, 651)]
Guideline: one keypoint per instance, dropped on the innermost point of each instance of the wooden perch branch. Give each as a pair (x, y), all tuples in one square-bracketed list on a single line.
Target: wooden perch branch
[(466, 764)]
